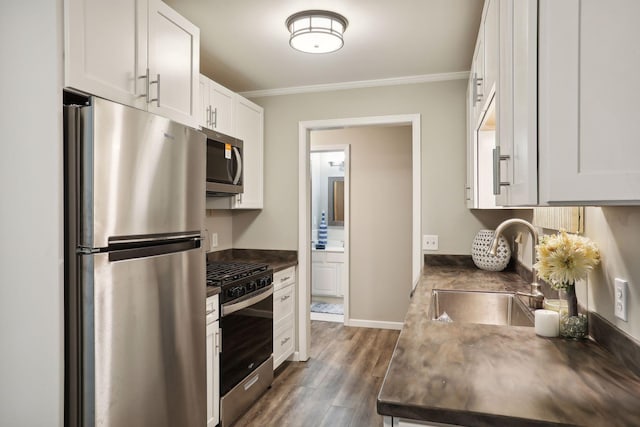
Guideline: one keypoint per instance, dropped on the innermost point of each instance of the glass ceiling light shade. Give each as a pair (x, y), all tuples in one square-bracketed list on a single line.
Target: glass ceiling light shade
[(316, 31)]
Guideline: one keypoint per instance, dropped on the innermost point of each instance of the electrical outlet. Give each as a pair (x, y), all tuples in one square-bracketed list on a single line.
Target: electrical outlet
[(620, 299), (214, 240), (430, 242)]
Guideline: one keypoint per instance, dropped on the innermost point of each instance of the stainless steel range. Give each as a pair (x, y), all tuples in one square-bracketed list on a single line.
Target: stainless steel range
[(246, 360)]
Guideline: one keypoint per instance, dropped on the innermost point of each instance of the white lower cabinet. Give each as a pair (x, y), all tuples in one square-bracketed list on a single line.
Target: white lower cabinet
[(326, 273), (213, 362), (284, 315)]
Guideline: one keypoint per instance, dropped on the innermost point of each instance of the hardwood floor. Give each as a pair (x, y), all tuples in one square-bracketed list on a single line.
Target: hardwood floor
[(336, 387)]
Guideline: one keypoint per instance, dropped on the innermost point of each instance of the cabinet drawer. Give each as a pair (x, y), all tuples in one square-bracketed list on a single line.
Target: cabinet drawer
[(283, 341), (283, 302), (212, 309), (335, 257), (284, 277)]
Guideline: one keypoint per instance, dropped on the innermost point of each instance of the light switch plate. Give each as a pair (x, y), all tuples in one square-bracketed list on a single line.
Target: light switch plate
[(430, 242), (214, 240), (620, 299)]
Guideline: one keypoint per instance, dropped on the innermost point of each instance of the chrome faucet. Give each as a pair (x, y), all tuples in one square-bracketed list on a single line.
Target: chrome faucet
[(536, 297)]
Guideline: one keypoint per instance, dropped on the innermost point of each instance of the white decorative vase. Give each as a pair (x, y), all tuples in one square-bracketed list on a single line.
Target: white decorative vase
[(480, 252)]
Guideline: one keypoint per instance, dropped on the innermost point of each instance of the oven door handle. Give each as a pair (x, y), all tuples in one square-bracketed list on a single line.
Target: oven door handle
[(253, 298)]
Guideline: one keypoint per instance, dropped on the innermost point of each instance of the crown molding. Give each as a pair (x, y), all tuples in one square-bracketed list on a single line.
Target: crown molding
[(425, 78)]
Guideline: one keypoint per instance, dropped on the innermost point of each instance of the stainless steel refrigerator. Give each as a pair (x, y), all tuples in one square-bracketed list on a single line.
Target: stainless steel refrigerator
[(134, 269)]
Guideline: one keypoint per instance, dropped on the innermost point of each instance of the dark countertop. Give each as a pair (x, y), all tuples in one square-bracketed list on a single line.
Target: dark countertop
[(485, 375), (277, 259)]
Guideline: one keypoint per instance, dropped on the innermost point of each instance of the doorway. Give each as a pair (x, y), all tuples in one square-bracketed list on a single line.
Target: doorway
[(304, 214), (330, 216)]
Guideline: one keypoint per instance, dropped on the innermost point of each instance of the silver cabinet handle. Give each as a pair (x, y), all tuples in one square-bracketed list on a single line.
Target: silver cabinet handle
[(149, 83), (284, 279), (218, 341), (497, 183), (477, 82), (467, 190), (284, 341), (214, 118), (284, 298)]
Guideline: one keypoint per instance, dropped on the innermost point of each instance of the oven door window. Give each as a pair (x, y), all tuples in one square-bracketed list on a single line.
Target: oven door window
[(222, 164), (247, 341)]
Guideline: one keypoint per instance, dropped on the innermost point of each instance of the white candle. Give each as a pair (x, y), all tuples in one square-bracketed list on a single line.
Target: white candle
[(547, 323)]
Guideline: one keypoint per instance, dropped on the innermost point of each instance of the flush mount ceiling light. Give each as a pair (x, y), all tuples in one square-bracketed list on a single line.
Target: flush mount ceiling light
[(316, 31)]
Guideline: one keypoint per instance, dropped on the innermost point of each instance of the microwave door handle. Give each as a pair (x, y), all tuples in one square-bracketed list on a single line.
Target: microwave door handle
[(236, 180)]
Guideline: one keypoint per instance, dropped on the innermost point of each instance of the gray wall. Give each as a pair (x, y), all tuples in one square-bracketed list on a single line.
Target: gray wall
[(442, 109), (31, 253), (380, 227)]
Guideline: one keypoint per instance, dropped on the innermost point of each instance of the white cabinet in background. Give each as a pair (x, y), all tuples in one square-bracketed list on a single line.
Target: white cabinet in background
[(482, 90), (284, 297), (213, 361), (139, 53), (326, 273), (589, 109), (216, 106)]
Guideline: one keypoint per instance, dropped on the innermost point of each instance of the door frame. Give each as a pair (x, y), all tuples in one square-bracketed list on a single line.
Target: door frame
[(346, 148), (304, 209)]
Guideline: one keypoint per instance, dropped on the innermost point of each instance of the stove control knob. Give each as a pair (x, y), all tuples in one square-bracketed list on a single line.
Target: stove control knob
[(265, 281), (251, 286), (236, 292)]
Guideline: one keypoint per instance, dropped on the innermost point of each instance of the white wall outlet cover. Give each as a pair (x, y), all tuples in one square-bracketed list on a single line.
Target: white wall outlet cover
[(214, 240), (620, 299), (430, 242)]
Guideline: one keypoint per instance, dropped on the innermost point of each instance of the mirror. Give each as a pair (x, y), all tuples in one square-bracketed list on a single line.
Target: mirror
[(336, 200)]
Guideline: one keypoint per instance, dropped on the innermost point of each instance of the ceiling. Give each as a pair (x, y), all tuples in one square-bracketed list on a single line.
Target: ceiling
[(244, 44)]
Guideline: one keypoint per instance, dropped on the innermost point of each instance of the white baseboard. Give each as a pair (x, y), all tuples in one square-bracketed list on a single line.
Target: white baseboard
[(327, 317), (360, 323)]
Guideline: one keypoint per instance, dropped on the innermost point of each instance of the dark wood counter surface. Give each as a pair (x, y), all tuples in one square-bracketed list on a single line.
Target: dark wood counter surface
[(484, 375)]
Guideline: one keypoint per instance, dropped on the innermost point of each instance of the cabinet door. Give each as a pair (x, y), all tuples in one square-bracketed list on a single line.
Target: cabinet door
[(324, 279), (589, 112), (204, 105), (491, 47), (222, 112), (174, 64), (106, 49), (213, 373), (470, 185), (249, 126), (517, 136)]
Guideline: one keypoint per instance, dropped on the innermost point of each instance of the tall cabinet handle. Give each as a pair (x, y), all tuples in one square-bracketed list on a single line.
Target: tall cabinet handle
[(497, 158), (214, 118), (157, 83)]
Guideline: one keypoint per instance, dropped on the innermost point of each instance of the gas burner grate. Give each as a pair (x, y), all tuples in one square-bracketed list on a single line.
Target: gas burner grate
[(222, 273)]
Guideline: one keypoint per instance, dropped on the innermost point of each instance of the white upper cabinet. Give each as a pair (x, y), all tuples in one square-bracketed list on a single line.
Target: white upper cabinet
[(117, 50), (106, 48), (589, 109), (216, 107), (491, 47), (516, 161), (174, 64), (249, 127), (482, 92)]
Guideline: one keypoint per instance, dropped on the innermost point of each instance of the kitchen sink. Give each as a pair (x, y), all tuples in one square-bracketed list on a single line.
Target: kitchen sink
[(488, 308)]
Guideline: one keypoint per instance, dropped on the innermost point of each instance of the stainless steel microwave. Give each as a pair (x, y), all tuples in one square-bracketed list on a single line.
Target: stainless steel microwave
[(224, 164)]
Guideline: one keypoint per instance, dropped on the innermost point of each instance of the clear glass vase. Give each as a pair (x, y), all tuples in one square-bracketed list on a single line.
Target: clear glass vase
[(574, 327)]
